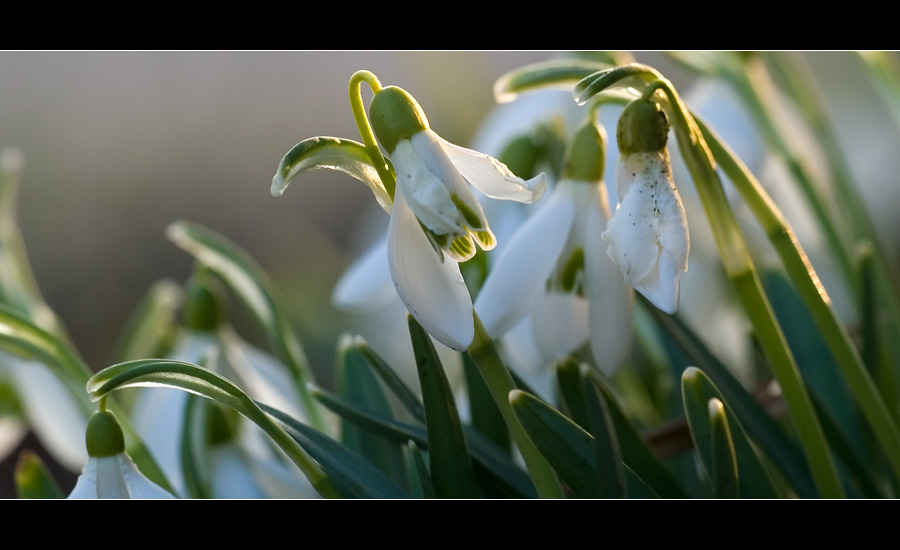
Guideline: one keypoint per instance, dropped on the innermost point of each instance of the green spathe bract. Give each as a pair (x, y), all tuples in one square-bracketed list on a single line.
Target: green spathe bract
[(395, 115)]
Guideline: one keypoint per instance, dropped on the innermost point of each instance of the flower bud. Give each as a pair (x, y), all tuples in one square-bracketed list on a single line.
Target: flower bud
[(395, 115)]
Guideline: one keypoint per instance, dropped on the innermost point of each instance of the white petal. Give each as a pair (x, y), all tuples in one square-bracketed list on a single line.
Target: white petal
[(633, 231), (560, 324), (434, 292), (492, 177), (660, 286), (86, 485), (523, 266), (427, 194), (53, 412), (137, 485), (611, 300), (262, 376), (366, 285)]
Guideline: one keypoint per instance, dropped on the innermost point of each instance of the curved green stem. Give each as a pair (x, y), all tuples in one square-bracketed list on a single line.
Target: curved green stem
[(365, 129), (499, 382), (740, 269), (807, 282)]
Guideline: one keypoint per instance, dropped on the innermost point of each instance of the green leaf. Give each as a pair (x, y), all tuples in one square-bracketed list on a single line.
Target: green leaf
[(724, 463), (569, 449), (33, 479), (357, 384), (404, 395), (697, 391), (496, 462), (486, 417), (256, 291), (342, 155), (419, 478), (201, 381), (352, 476), (448, 450), (571, 391), (636, 454), (559, 74), (753, 418), (609, 455)]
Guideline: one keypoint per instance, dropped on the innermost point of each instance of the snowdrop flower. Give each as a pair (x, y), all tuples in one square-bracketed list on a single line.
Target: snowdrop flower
[(556, 269), (109, 472), (648, 234), (158, 414), (436, 221)]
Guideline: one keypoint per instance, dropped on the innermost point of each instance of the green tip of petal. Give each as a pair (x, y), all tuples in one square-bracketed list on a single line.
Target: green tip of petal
[(395, 115), (104, 435)]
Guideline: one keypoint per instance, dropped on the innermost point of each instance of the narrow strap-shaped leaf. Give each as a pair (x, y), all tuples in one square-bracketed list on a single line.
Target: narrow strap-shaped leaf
[(569, 449), (404, 395), (571, 391), (419, 478), (697, 391), (635, 452), (254, 288), (553, 73), (485, 416), (194, 448), (448, 450), (484, 452), (201, 381), (357, 384), (724, 462), (609, 455), (342, 155), (352, 476), (753, 418)]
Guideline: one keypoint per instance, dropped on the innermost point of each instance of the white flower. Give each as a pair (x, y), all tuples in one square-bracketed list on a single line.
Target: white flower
[(109, 472), (648, 234), (555, 269), (432, 193), (115, 477)]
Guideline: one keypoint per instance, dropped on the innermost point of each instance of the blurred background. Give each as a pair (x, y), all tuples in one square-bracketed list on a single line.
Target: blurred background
[(120, 144)]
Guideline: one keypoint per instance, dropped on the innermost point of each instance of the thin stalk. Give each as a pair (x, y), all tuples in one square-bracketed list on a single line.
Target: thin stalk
[(499, 382), (740, 269), (814, 295), (365, 129)]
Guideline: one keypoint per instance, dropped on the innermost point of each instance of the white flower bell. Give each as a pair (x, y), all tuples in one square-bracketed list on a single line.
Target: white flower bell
[(648, 234), (556, 269), (435, 213), (109, 472)]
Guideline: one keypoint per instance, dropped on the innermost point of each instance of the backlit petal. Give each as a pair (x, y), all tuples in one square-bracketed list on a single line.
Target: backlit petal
[(492, 177), (523, 266), (433, 291), (611, 300)]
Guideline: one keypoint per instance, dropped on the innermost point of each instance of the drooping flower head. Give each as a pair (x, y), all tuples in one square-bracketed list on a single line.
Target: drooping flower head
[(109, 472), (436, 221), (648, 234), (556, 272)]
